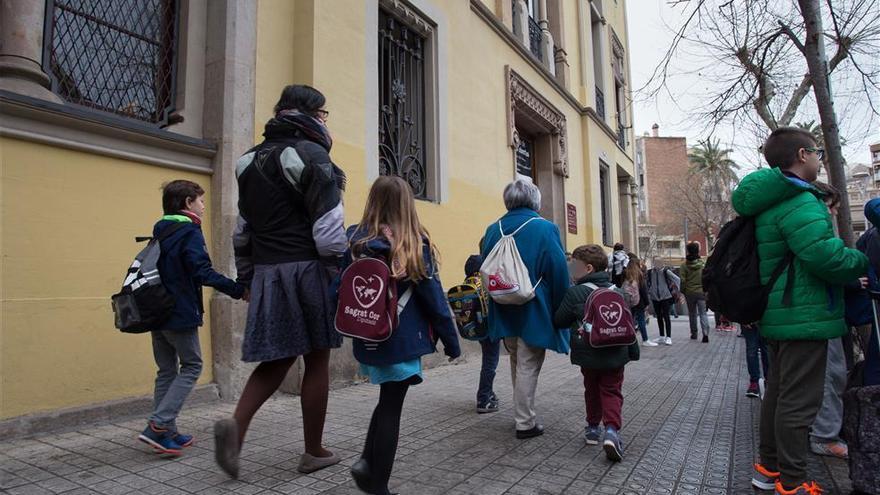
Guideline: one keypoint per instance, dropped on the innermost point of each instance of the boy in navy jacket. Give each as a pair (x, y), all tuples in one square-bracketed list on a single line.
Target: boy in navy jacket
[(184, 267)]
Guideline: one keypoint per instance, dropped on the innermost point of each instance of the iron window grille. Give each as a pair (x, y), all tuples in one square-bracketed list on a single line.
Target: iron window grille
[(536, 36), (600, 103), (118, 56), (604, 194), (402, 103)]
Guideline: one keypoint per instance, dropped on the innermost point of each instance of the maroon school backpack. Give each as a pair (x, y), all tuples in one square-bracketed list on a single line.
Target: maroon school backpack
[(607, 319), (368, 307)]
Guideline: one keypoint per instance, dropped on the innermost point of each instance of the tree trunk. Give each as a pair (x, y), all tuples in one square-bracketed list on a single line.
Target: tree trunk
[(814, 52)]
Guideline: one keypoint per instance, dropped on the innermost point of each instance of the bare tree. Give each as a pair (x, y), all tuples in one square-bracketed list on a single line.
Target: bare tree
[(706, 206), (758, 72)]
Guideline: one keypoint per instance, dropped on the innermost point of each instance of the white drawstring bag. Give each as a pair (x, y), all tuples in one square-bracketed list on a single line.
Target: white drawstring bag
[(504, 274)]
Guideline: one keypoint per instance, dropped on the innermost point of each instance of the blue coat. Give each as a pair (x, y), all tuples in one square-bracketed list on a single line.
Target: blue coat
[(541, 250), (185, 267), (425, 318)]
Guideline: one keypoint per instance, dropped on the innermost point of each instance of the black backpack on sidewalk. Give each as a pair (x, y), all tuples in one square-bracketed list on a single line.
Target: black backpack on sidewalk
[(732, 275), (144, 304)]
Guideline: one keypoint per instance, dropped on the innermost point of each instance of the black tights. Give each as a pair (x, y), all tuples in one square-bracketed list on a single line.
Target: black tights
[(381, 445), (661, 311)]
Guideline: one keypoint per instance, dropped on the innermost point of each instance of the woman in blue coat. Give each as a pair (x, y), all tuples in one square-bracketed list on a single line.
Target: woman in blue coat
[(527, 329), (390, 230)]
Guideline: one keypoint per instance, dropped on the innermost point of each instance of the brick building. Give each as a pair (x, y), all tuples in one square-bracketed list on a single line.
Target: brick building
[(661, 165)]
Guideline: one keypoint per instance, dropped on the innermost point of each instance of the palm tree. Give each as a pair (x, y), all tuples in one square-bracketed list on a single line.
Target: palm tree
[(713, 162), (816, 130), (713, 168)]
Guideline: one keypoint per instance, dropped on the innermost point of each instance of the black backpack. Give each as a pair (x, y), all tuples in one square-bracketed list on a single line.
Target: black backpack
[(143, 304), (732, 275)]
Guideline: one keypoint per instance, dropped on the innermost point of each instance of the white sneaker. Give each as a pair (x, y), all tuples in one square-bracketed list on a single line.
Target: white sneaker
[(649, 343), (660, 340), (761, 387), (668, 341)]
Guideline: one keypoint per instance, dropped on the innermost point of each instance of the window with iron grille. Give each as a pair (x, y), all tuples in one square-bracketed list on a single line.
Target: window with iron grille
[(118, 56), (403, 104)]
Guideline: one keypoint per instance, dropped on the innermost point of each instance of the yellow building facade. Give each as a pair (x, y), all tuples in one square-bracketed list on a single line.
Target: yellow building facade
[(459, 96)]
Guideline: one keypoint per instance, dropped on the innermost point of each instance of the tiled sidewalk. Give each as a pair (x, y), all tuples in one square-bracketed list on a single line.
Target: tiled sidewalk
[(688, 429)]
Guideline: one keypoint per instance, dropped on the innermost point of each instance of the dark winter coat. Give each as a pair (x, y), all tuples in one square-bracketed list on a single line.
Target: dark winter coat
[(571, 314), (185, 267)]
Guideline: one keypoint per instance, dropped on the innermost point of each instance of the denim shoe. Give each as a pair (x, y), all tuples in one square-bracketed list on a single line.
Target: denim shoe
[(591, 434), (182, 440), (160, 439), (612, 445)]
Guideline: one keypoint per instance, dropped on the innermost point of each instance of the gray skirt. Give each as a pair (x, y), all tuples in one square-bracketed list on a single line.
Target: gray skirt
[(290, 312)]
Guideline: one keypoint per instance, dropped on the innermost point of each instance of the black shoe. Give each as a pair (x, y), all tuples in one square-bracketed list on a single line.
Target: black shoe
[(537, 431), (705, 339), (360, 471), (226, 448), (693, 336)]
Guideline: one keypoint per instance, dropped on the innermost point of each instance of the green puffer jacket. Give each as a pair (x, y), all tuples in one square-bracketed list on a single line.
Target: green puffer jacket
[(691, 273), (570, 314), (790, 215)]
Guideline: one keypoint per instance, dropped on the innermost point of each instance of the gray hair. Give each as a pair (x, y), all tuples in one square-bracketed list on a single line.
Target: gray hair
[(522, 193)]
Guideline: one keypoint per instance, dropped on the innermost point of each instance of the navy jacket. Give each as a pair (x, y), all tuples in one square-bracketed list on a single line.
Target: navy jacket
[(185, 267), (425, 318)]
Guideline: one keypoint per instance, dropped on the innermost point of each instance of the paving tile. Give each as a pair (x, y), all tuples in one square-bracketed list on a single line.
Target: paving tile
[(688, 429)]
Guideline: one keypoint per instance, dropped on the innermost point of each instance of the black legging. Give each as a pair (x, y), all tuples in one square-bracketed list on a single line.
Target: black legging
[(661, 311), (381, 445)]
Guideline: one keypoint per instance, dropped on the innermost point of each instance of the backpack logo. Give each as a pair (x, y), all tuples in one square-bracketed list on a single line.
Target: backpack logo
[(611, 313), (498, 285), (367, 291), (470, 307)]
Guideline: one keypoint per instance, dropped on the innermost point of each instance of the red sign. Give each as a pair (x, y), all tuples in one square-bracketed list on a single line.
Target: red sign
[(572, 216)]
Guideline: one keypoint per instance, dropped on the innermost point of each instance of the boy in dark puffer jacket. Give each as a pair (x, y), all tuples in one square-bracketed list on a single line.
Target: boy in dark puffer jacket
[(602, 368)]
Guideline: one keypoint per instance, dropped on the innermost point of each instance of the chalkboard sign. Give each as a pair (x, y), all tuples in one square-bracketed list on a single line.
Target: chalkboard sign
[(524, 158)]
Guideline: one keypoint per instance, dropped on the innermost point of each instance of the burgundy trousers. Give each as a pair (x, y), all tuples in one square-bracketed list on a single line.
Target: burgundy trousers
[(603, 396)]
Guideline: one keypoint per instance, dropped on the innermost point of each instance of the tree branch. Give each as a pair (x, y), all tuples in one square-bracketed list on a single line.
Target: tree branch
[(788, 32)]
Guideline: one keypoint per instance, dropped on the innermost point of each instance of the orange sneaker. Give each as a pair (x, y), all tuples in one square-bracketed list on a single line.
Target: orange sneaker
[(811, 488), (764, 479)]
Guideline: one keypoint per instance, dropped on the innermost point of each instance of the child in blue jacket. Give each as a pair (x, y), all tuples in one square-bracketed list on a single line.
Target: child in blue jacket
[(184, 267)]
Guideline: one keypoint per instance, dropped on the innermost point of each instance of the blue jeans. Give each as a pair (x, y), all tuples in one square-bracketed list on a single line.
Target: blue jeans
[(639, 317), (491, 350), (754, 347), (179, 358)]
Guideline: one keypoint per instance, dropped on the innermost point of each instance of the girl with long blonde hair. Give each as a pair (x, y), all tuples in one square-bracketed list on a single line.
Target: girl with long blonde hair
[(390, 229)]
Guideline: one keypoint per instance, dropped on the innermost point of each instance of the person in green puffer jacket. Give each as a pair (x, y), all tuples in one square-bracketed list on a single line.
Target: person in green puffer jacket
[(789, 215)]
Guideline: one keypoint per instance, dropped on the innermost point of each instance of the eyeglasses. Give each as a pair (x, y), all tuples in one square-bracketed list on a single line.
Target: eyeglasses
[(820, 152), (323, 115)]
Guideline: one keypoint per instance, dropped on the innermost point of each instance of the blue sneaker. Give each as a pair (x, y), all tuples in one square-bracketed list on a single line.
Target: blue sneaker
[(161, 440), (591, 435), (181, 439), (612, 446)]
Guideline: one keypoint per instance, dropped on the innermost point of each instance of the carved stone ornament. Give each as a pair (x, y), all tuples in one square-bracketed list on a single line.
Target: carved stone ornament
[(524, 100), (413, 18)]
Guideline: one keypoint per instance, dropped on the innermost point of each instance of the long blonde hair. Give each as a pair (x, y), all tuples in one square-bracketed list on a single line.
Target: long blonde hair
[(391, 206)]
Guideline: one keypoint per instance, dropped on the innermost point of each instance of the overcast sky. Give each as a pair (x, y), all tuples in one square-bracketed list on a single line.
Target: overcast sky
[(650, 32)]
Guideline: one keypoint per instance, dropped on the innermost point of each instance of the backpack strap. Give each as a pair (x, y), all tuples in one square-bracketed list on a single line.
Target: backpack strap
[(515, 231), (787, 262), (165, 234), (404, 299)]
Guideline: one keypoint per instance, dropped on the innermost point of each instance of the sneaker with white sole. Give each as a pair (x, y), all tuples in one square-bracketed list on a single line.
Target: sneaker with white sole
[(667, 341), (592, 435), (612, 445), (649, 343), (764, 479), (161, 440)]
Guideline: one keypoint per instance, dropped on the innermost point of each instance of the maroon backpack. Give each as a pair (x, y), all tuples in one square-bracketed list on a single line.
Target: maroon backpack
[(368, 307), (607, 319)]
